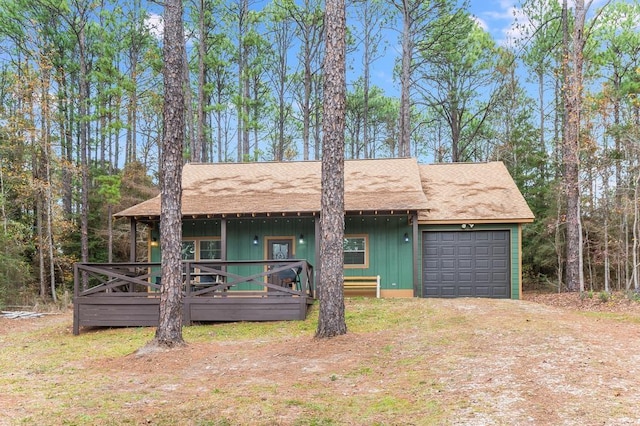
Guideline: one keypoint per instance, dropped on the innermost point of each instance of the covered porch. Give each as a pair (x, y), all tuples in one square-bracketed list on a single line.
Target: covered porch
[(128, 294)]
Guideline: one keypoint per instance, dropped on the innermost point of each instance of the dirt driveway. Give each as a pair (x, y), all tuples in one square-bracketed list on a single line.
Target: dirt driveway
[(553, 361)]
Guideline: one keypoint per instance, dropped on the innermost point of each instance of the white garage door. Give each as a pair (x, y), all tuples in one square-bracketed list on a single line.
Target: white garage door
[(466, 264)]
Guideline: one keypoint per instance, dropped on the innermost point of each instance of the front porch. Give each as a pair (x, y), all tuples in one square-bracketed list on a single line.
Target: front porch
[(128, 294)]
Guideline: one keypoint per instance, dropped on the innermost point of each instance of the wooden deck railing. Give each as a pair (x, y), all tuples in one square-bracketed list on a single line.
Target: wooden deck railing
[(210, 278), (128, 294)]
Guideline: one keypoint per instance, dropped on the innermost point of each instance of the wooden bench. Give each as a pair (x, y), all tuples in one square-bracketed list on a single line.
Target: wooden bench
[(362, 283)]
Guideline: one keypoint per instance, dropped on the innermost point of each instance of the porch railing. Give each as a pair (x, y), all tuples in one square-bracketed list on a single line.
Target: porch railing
[(200, 278), (128, 294)]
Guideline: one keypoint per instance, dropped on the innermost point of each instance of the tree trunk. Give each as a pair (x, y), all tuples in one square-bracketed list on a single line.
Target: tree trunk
[(198, 152), (84, 162), (169, 331), (573, 104), (331, 320), (405, 80)]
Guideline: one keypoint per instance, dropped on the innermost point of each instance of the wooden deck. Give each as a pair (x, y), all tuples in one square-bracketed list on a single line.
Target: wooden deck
[(128, 294)]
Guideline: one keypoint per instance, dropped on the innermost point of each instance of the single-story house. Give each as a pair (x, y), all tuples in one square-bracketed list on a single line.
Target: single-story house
[(440, 230), (437, 230)]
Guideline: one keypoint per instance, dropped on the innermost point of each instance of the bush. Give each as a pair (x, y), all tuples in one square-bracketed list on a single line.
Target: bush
[(604, 296)]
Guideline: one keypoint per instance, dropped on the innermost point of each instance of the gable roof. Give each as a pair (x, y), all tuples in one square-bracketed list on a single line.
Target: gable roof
[(471, 192), (290, 188), (439, 193)]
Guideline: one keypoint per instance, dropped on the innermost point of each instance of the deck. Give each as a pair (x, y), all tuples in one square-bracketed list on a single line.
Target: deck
[(128, 294)]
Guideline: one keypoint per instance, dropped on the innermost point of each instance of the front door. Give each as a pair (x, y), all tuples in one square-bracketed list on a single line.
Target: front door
[(280, 248)]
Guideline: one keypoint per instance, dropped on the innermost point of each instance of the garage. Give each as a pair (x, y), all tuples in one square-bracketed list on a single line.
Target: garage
[(466, 263)]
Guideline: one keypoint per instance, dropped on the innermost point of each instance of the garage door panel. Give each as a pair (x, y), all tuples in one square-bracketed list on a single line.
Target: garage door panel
[(448, 264), (448, 291), (465, 291), (482, 264), (483, 291), (498, 251), (431, 264), (482, 251), (466, 264), (499, 264), (499, 276), (465, 277), (431, 251), (448, 277), (482, 277), (447, 251), (447, 236), (465, 251)]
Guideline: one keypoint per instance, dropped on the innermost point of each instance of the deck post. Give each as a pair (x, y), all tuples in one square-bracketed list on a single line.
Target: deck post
[(132, 240), (186, 298), (317, 248), (76, 306)]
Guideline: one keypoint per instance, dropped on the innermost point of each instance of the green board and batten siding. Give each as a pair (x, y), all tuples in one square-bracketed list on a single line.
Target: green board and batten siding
[(388, 254)]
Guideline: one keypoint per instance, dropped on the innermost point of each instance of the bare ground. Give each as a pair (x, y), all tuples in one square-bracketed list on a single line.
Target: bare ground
[(547, 360)]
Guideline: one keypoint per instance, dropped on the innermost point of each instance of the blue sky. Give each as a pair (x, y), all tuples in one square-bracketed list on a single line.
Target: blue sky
[(498, 16)]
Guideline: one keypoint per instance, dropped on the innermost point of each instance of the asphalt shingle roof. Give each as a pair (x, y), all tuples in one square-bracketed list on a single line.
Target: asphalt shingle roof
[(471, 192), (444, 192)]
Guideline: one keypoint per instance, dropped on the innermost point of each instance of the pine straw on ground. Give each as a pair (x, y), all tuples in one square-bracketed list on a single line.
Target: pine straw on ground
[(616, 302), (552, 359)]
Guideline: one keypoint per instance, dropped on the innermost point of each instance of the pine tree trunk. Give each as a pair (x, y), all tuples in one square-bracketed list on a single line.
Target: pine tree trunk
[(169, 332), (198, 153), (573, 104), (405, 80), (331, 320)]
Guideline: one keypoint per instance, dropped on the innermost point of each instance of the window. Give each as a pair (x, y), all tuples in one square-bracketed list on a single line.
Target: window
[(201, 249), (210, 249), (355, 251), (188, 250)]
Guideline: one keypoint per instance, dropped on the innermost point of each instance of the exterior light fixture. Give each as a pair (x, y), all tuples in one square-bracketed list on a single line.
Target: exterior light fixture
[(301, 240), (255, 240), (154, 242), (406, 237)]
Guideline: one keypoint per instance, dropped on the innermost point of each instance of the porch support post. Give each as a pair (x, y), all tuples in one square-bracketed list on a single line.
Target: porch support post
[(76, 300), (132, 240), (416, 256), (317, 280), (223, 238)]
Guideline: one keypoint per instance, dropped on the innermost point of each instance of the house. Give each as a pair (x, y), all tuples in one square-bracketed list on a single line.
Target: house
[(442, 230)]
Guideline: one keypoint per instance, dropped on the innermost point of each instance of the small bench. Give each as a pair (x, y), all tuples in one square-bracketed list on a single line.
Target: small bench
[(362, 283)]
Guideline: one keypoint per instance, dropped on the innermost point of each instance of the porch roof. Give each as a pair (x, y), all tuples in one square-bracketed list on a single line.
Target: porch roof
[(223, 189), (471, 192)]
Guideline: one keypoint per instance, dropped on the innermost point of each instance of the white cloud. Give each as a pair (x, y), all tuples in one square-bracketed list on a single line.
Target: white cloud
[(481, 23), (155, 25)]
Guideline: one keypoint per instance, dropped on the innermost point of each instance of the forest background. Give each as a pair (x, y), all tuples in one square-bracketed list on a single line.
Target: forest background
[(81, 108)]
